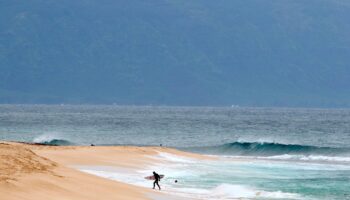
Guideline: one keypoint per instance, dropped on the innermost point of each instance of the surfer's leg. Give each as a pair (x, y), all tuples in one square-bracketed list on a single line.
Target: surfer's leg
[(158, 185), (154, 184)]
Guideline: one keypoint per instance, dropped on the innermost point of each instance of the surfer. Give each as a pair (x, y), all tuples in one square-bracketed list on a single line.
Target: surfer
[(156, 180)]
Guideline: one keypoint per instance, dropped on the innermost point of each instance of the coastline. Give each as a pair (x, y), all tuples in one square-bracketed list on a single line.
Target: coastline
[(32, 171)]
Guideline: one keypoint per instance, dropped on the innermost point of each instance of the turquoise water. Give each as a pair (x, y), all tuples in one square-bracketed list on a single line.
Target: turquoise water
[(243, 178), (262, 153), (281, 180)]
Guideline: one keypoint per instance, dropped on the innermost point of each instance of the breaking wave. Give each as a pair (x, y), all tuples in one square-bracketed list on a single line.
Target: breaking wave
[(271, 149), (52, 140)]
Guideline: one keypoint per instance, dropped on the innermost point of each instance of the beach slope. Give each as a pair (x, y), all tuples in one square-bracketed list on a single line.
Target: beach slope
[(33, 172)]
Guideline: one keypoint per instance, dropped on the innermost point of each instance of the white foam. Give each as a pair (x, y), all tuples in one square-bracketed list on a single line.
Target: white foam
[(291, 162), (47, 137), (117, 174), (174, 158), (186, 169), (260, 140), (310, 158), (170, 164), (233, 191), (240, 191), (228, 191)]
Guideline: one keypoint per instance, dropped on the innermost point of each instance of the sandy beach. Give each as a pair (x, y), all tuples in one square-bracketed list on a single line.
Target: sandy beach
[(32, 172)]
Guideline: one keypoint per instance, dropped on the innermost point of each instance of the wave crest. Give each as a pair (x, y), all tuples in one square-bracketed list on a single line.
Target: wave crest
[(271, 149), (52, 140)]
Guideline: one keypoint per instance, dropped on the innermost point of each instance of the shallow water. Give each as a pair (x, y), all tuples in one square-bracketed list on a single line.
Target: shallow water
[(264, 153), (227, 178)]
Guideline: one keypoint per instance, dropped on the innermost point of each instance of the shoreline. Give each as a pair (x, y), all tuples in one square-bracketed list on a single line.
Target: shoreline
[(30, 171), (35, 171)]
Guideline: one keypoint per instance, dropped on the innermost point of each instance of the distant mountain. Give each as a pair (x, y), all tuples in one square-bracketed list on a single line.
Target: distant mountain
[(176, 52)]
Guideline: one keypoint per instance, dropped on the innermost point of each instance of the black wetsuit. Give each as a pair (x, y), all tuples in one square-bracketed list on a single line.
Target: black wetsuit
[(157, 179)]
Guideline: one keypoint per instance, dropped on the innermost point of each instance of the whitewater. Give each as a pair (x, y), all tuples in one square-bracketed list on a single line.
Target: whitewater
[(260, 153)]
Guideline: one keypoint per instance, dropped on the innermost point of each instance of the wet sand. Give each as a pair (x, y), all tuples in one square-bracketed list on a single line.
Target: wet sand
[(32, 172)]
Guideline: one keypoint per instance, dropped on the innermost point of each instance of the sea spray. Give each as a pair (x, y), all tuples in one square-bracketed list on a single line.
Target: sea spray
[(52, 139)]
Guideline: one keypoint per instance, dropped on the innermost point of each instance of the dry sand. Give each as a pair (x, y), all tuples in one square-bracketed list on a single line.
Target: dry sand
[(35, 172)]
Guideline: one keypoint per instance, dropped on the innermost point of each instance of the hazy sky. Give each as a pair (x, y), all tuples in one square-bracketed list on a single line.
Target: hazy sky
[(163, 52)]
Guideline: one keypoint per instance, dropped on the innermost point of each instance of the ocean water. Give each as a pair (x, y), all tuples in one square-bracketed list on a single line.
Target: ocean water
[(260, 153)]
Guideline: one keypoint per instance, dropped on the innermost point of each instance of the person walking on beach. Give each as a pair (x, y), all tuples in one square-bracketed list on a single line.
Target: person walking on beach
[(156, 180)]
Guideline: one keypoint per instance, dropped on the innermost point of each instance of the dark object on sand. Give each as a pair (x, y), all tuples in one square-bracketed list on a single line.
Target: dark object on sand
[(156, 181)]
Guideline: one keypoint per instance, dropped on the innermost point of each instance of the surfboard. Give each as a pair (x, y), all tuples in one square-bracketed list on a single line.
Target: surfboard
[(152, 177)]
